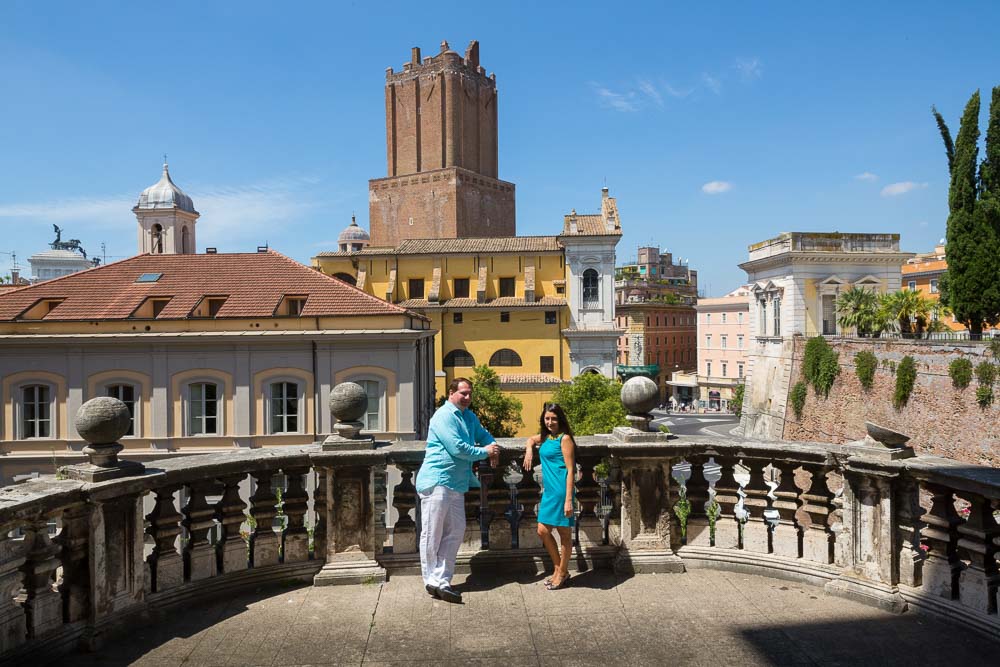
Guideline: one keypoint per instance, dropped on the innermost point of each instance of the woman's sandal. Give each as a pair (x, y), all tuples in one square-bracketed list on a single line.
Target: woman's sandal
[(562, 584)]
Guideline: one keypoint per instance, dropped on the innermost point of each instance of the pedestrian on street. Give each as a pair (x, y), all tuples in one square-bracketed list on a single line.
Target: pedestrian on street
[(455, 439), (557, 451)]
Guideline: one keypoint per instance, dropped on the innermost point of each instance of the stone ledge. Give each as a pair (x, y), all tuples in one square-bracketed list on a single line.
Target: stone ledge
[(951, 612)]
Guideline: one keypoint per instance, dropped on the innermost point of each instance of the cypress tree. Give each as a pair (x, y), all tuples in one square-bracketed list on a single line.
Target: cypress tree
[(970, 285)]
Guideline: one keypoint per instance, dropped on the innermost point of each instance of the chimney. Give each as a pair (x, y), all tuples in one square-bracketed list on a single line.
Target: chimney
[(604, 192), (15, 277), (211, 251)]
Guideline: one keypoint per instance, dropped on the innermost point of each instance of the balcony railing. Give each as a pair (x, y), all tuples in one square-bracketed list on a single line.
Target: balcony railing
[(920, 531)]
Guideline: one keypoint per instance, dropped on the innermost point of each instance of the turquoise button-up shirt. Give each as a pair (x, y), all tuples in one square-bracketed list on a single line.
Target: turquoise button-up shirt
[(451, 448)]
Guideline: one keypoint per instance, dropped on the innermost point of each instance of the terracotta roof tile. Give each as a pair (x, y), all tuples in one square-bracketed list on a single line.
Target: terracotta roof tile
[(588, 225), (253, 284)]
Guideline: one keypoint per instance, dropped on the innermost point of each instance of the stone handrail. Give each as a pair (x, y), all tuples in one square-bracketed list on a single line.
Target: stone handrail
[(895, 532)]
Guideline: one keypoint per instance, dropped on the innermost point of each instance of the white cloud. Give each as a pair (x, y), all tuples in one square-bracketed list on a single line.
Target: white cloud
[(896, 189), (711, 83), (618, 101), (750, 69), (716, 187), (679, 93), (650, 91), (866, 176)]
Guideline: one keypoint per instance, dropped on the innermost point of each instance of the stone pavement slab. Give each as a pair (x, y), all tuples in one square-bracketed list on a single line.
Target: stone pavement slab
[(702, 617)]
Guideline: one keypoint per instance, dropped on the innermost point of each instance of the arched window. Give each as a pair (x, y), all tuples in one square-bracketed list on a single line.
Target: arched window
[(126, 394), (157, 239), (458, 358), (185, 241), (284, 407), (346, 277), (36, 411), (505, 357), (591, 287), (203, 416)]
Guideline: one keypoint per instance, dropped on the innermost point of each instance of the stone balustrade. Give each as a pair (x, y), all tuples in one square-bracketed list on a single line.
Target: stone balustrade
[(82, 559)]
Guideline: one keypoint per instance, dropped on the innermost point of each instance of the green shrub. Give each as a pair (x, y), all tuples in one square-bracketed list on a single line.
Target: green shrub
[(737, 402), (865, 365), (663, 428), (820, 365), (798, 398), (984, 396), (906, 376), (986, 374), (960, 371), (995, 348)]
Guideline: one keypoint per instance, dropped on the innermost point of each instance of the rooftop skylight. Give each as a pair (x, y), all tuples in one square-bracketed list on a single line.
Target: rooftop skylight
[(149, 277)]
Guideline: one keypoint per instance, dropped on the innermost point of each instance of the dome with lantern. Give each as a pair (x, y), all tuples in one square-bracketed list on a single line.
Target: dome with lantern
[(353, 238)]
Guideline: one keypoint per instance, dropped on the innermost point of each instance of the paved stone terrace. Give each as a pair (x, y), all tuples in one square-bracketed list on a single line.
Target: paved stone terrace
[(703, 617)]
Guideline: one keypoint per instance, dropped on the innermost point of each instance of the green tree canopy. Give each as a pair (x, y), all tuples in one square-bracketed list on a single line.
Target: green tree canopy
[(499, 413), (592, 403)]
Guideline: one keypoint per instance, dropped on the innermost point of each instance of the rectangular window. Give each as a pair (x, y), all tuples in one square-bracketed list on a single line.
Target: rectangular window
[(724, 366), (560, 289), (761, 318), (203, 409), (416, 288), (739, 342), (546, 364), (284, 407), (456, 318), (776, 306), (934, 286), (506, 287), (739, 370), (550, 317), (159, 305), (723, 318), (708, 341), (214, 306), (505, 316), (295, 306), (460, 286), (708, 368), (373, 418), (708, 318), (739, 318), (912, 285), (723, 342), (36, 420), (126, 394)]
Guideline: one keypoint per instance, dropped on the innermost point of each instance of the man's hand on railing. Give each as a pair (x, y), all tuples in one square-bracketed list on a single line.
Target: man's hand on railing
[(493, 449)]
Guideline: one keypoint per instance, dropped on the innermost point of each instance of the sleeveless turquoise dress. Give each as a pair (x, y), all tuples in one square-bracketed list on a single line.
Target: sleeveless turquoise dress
[(551, 508)]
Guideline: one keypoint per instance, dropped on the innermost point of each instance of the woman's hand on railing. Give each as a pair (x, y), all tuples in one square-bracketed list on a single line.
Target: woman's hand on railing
[(529, 453)]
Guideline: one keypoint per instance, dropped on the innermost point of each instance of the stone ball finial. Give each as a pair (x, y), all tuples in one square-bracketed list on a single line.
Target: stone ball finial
[(348, 401), (102, 420), (639, 395)]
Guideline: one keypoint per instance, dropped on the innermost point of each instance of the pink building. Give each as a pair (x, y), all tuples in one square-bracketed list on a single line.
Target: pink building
[(723, 340)]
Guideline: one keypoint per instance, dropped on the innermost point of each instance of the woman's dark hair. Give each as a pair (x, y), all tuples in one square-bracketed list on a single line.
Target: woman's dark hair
[(564, 426)]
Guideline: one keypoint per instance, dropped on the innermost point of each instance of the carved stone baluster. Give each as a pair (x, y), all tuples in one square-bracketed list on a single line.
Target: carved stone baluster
[(319, 511), (75, 584), (841, 542), (165, 565), (909, 526), (756, 532), (646, 517), (942, 567), (697, 494), (727, 494), (680, 473), (498, 497), (43, 605), (529, 494), (588, 496), (13, 630), (231, 512), (817, 505), (613, 523), (296, 501), (200, 559), (977, 583), (380, 503), (785, 536), (264, 541), (404, 499)]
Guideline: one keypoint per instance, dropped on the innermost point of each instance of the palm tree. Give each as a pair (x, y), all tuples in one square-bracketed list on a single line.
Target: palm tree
[(857, 308), (908, 310)]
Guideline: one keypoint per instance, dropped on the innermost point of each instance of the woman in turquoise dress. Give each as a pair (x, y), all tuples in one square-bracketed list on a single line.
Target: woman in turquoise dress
[(557, 451)]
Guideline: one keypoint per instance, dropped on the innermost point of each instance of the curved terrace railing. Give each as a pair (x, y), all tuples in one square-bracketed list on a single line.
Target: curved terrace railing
[(81, 559)]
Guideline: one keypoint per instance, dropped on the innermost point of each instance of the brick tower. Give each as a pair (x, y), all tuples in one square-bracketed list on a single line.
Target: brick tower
[(441, 150)]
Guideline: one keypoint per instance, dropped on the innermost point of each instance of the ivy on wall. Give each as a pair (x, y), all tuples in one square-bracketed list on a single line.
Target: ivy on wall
[(960, 371), (906, 376), (798, 398), (865, 365), (820, 365)]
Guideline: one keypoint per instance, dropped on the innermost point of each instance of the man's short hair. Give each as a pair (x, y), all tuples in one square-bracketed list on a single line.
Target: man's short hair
[(453, 387)]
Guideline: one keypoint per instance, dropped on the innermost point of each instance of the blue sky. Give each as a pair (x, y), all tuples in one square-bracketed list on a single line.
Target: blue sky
[(715, 127)]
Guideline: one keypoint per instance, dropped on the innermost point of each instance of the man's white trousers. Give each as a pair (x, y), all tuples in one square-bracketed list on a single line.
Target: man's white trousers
[(442, 527)]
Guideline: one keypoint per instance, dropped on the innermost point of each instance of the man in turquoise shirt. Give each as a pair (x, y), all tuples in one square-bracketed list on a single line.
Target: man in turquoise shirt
[(454, 440)]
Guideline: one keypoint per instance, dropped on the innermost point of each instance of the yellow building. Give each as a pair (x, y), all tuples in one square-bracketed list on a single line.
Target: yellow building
[(537, 309)]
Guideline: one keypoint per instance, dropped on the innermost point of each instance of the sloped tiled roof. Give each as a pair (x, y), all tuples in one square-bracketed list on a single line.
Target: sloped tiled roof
[(518, 244), (588, 225), (253, 284)]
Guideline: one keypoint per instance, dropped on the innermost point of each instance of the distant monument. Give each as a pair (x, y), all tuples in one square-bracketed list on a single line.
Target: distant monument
[(64, 258)]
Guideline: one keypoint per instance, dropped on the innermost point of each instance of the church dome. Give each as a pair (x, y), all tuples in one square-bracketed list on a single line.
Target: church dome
[(165, 195), (353, 237)]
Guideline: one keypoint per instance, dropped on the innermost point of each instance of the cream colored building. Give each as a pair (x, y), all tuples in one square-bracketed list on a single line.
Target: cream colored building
[(723, 341)]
